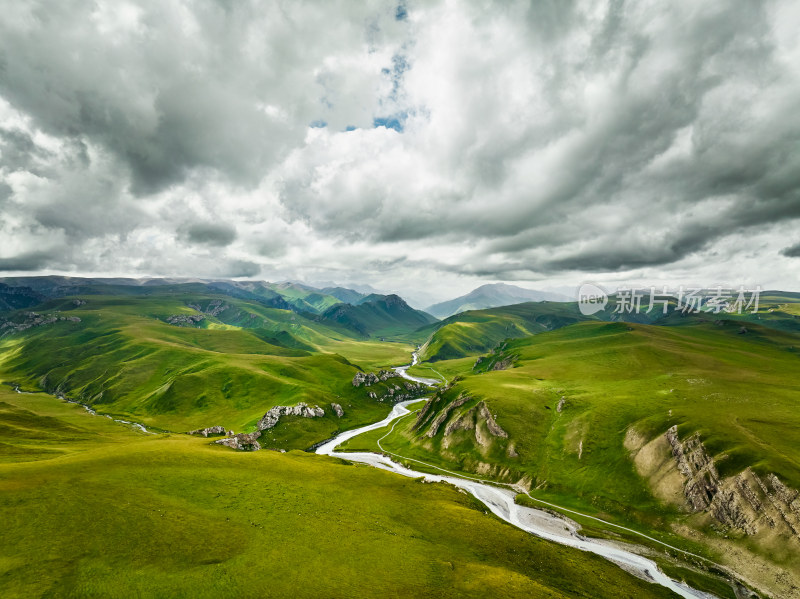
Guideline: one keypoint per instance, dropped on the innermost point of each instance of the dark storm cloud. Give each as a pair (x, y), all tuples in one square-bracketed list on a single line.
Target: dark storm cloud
[(791, 251), (5, 192), (241, 268), (215, 234), (28, 261)]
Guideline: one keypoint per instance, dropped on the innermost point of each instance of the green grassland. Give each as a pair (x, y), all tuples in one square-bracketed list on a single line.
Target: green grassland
[(739, 390), (476, 331), (124, 359), (92, 508)]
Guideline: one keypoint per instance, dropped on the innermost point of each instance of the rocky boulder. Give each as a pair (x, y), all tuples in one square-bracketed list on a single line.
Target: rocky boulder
[(242, 441), (211, 430), (271, 418)]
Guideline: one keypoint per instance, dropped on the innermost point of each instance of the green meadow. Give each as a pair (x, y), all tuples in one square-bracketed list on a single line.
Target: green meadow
[(92, 508), (90, 502), (738, 390), (125, 360)]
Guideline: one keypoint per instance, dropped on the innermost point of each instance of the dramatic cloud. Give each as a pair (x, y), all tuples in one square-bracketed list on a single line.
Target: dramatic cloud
[(792, 252), (420, 146)]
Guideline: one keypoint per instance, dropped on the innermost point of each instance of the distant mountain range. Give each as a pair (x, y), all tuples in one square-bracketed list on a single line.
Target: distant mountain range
[(493, 296), (346, 309)]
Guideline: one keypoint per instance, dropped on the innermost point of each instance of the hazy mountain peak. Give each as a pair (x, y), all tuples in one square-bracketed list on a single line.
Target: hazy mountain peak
[(492, 295)]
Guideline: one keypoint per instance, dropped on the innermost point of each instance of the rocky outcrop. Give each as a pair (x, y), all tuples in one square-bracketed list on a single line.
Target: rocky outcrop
[(503, 364), (475, 419), (211, 430), (370, 378), (702, 481), (367, 379), (242, 441), (271, 418), (185, 320), (394, 393), (478, 419), (561, 403), (33, 319), (746, 502), (427, 410), (337, 409), (491, 424), (213, 308)]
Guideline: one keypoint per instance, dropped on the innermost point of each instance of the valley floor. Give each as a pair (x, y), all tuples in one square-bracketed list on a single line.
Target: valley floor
[(93, 508)]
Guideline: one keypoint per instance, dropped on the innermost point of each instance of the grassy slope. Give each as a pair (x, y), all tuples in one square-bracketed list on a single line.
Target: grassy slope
[(380, 316), (93, 509), (475, 332), (739, 391), (124, 360)]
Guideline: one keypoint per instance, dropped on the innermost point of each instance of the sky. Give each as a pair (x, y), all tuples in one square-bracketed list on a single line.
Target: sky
[(420, 147)]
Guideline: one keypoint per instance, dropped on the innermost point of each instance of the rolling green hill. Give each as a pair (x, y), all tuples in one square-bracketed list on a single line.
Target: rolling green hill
[(180, 362), (477, 331), (378, 316), (348, 296), (583, 415)]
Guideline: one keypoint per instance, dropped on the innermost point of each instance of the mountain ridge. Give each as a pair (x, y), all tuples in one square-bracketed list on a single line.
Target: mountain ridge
[(492, 295)]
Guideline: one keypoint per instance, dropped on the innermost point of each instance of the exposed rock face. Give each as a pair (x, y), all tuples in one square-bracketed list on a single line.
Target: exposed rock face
[(473, 419), (242, 441), (425, 412), (504, 364), (561, 403), (442, 416), (337, 409), (211, 430), (702, 481), (746, 502), (215, 307), (185, 320), (491, 424), (271, 418)]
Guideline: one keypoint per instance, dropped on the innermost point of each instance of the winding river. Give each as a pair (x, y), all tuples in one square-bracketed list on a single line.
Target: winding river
[(500, 501), (61, 396)]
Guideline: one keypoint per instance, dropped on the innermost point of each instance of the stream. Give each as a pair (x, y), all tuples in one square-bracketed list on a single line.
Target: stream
[(93, 412), (500, 501)]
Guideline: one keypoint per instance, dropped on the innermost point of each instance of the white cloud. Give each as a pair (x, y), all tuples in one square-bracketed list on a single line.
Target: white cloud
[(547, 142)]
